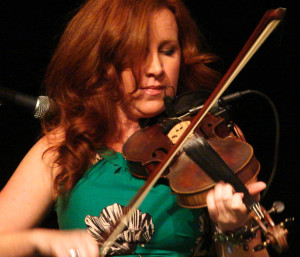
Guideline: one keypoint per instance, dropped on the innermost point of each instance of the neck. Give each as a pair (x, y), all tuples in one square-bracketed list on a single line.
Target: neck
[(126, 128)]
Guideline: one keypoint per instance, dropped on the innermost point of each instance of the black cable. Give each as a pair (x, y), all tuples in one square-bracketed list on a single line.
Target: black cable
[(277, 135)]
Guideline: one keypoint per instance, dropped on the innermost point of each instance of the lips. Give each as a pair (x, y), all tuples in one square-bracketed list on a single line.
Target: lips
[(153, 87), (153, 90)]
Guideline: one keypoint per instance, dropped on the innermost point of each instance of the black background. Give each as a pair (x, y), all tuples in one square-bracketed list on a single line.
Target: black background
[(30, 30)]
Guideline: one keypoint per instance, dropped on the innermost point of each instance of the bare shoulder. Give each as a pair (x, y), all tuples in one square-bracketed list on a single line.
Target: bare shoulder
[(47, 146), (42, 155)]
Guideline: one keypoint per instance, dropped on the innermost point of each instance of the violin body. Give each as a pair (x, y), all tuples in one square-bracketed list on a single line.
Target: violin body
[(191, 183), (148, 146), (145, 149)]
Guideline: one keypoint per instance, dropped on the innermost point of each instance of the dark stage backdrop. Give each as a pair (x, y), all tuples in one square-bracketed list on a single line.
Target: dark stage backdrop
[(30, 30)]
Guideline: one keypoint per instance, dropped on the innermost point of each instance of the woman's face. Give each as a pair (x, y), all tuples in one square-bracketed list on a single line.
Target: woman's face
[(158, 72)]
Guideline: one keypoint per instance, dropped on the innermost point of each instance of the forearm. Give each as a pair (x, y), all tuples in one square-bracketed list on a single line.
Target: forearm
[(19, 244), (47, 242)]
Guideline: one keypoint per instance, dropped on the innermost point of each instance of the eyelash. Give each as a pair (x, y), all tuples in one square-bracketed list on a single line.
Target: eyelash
[(168, 52)]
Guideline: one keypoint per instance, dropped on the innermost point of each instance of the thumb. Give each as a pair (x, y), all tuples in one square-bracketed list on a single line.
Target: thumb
[(256, 187)]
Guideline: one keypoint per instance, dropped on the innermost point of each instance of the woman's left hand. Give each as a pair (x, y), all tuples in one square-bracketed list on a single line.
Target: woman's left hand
[(226, 207)]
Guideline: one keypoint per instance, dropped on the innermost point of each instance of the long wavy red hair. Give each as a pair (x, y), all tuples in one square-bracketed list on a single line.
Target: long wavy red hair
[(83, 78)]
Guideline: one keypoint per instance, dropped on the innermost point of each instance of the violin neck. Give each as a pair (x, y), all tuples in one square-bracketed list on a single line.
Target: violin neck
[(201, 152)]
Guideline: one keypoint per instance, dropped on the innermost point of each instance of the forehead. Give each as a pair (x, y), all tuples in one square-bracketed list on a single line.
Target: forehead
[(163, 25)]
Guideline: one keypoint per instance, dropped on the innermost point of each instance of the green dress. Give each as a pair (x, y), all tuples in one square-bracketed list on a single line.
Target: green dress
[(106, 187)]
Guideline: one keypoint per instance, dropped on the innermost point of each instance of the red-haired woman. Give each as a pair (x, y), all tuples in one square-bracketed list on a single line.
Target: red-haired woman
[(115, 62)]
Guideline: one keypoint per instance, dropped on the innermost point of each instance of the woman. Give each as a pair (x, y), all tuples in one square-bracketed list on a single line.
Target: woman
[(114, 64)]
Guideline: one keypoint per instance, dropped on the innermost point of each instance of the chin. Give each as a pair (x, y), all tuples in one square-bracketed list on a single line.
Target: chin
[(152, 109)]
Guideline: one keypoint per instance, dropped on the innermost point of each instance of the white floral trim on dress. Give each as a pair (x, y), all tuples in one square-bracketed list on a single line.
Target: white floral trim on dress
[(138, 230)]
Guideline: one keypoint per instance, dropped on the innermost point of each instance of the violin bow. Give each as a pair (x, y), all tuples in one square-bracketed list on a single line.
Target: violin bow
[(265, 27)]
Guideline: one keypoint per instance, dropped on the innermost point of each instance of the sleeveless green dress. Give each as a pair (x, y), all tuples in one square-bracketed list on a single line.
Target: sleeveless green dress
[(107, 186)]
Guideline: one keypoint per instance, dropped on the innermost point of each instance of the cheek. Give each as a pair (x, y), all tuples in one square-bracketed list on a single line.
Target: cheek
[(174, 74), (128, 82)]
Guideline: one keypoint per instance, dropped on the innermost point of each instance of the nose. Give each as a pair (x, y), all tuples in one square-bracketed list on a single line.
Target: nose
[(154, 66)]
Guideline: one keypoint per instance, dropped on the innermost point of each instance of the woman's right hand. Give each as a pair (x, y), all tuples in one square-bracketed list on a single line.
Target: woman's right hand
[(58, 243), (48, 242)]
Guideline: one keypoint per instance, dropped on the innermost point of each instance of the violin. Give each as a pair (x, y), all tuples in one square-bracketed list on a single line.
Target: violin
[(148, 146), (196, 153)]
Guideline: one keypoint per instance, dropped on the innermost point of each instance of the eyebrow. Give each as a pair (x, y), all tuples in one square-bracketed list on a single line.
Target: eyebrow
[(165, 42)]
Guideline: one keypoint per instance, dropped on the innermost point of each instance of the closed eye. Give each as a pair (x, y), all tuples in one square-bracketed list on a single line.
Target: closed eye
[(169, 47), (168, 52)]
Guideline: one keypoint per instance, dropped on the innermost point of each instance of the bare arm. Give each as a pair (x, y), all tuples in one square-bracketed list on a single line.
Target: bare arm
[(28, 194), (45, 242), (25, 200)]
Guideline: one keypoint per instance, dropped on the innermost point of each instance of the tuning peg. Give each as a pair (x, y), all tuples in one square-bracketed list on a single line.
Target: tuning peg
[(260, 247), (277, 207)]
